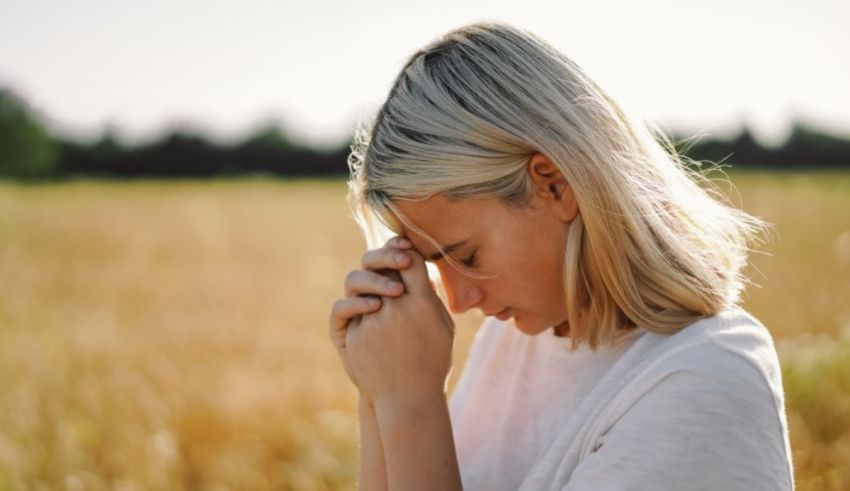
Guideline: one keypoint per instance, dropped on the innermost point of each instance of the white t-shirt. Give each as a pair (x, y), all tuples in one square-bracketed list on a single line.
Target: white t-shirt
[(699, 409)]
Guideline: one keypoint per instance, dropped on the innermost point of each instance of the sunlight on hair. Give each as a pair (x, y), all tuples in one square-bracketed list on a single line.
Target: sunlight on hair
[(656, 245)]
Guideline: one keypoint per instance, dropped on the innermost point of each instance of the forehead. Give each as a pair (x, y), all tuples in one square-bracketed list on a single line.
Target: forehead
[(447, 221)]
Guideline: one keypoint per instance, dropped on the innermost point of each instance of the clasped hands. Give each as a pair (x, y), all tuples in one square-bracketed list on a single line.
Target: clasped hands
[(391, 330)]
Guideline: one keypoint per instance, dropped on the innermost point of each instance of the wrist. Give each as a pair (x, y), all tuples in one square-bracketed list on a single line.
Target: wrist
[(365, 403), (408, 406)]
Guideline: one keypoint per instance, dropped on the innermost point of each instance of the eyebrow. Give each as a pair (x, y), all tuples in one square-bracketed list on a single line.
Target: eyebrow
[(447, 250)]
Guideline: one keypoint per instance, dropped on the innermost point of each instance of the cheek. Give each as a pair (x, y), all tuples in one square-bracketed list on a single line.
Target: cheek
[(537, 271), (530, 263), (522, 280)]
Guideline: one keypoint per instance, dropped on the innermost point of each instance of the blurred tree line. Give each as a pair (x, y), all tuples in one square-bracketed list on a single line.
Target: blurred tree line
[(28, 150)]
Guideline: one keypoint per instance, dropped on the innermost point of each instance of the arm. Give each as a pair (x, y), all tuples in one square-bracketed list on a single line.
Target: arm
[(362, 286), (399, 357), (373, 470), (419, 445)]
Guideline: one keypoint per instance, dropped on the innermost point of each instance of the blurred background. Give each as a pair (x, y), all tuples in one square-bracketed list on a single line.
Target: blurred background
[(173, 224)]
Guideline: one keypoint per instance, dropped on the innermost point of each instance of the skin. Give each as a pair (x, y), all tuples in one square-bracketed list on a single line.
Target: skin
[(527, 274), (395, 338)]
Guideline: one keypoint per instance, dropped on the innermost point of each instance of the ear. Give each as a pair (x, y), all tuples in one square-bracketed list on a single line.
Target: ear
[(551, 187)]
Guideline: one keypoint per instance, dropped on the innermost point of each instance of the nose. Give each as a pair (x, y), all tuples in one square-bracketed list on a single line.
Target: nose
[(461, 291)]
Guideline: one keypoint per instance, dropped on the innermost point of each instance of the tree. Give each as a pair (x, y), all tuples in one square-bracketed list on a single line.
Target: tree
[(26, 149)]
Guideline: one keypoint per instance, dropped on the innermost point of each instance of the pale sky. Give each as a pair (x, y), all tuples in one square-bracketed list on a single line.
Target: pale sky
[(223, 67)]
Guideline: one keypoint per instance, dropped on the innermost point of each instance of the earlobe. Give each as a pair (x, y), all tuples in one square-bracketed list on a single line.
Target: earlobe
[(568, 204)]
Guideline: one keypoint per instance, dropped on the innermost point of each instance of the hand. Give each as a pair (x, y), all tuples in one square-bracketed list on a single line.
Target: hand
[(364, 289), (403, 352)]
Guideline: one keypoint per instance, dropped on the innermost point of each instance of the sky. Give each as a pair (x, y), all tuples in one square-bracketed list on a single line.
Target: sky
[(224, 68)]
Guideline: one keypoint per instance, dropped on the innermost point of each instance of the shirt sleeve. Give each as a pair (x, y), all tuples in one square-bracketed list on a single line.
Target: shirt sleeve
[(711, 423)]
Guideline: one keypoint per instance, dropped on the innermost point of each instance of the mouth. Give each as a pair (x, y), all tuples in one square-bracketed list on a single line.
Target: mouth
[(503, 314)]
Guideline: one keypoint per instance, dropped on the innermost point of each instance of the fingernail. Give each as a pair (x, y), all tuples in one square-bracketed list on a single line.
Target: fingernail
[(373, 302), (400, 257), (394, 286), (402, 242)]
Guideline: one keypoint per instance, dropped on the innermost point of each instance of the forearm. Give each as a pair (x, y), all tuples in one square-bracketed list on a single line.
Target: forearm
[(373, 470), (418, 444)]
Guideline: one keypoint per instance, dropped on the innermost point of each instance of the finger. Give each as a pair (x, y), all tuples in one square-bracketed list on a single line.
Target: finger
[(343, 310), (391, 256), (415, 278), (399, 242), (385, 258), (360, 282), (392, 274)]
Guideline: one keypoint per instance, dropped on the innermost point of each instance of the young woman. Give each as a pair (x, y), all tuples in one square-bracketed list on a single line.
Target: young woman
[(614, 355)]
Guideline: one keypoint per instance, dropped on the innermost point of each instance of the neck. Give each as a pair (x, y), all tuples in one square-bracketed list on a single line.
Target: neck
[(562, 330)]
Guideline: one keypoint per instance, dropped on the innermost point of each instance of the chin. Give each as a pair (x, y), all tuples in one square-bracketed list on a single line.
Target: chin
[(529, 326)]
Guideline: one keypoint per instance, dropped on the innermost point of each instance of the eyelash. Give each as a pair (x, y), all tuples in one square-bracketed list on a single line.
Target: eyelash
[(470, 261)]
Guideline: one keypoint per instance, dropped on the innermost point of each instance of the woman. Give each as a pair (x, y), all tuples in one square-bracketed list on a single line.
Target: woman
[(614, 355)]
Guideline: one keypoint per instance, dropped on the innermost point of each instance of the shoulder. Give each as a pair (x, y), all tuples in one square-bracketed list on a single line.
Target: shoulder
[(718, 377), (702, 408), (732, 346), (724, 363)]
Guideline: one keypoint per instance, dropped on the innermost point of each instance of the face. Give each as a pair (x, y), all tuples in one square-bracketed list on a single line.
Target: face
[(522, 248)]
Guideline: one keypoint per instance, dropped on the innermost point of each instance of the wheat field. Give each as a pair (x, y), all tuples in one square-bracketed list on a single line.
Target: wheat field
[(172, 335)]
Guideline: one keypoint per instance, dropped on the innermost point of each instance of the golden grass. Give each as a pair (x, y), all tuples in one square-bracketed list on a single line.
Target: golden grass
[(172, 335)]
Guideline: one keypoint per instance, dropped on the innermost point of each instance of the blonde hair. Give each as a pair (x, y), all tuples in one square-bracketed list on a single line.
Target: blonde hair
[(650, 247)]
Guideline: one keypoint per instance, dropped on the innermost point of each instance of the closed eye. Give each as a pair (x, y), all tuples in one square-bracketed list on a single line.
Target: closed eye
[(470, 261)]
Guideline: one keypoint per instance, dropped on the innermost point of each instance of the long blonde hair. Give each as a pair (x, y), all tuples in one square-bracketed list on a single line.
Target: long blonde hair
[(650, 248)]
